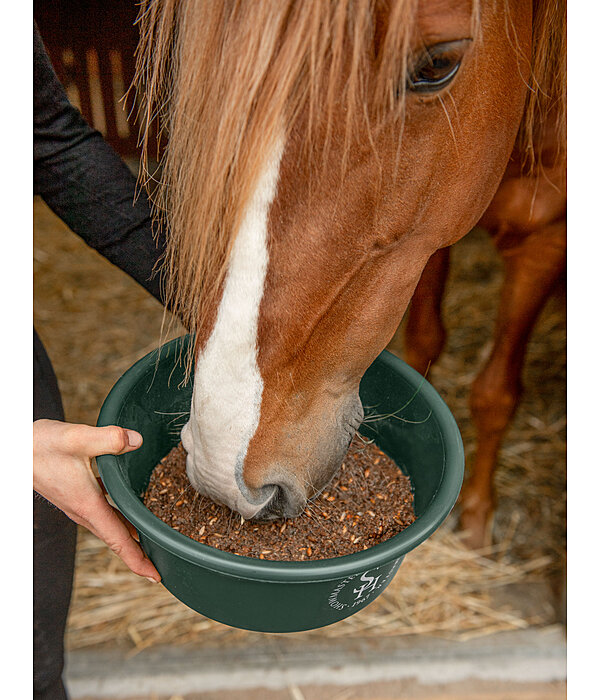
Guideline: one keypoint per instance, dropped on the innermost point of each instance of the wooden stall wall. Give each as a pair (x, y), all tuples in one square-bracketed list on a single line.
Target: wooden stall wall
[(92, 45)]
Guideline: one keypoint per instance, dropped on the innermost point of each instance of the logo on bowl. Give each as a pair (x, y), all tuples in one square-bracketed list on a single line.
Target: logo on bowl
[(370, 584), (364, 586)]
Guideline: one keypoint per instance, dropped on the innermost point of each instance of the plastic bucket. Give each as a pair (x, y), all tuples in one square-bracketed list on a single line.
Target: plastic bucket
[(420, 434)]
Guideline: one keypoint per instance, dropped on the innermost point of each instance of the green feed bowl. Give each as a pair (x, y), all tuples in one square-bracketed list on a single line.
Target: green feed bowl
[(417, 430)]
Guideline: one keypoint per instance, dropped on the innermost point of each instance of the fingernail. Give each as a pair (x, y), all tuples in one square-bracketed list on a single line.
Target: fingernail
[(152, 580), (134, 439)]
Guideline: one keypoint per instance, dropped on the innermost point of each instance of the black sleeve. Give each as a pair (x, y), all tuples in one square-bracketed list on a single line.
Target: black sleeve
[(86, 183)]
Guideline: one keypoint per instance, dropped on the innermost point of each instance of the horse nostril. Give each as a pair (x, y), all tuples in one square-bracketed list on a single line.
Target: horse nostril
[(294, 503), (287, 502)]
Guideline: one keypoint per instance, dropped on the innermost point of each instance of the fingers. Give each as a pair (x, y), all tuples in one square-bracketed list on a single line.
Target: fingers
[(62, 473), (130, 527), (104, 522), (92, 441)]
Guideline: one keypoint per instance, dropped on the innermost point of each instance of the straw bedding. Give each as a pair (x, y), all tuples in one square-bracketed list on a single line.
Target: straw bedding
[(96, 322)]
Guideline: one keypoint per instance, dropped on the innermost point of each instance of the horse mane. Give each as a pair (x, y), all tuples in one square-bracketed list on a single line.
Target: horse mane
[(546, 102), (223, 79)]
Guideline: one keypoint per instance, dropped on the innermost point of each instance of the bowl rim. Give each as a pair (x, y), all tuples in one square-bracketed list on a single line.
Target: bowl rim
[(151, 527)]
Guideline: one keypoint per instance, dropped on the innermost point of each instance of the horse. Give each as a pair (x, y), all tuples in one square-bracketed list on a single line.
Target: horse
[(527, 222), (318, 155)]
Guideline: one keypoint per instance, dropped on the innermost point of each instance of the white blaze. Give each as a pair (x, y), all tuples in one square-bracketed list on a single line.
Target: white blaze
[(228, 386)]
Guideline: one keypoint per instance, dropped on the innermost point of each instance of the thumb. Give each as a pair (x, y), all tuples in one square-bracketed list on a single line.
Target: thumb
[(110, 439)]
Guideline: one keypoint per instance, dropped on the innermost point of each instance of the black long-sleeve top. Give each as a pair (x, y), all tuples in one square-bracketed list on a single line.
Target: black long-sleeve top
[(90, 188), (83, 180)]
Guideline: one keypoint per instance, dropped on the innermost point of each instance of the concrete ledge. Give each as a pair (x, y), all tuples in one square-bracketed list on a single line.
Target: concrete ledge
[(527, 656)]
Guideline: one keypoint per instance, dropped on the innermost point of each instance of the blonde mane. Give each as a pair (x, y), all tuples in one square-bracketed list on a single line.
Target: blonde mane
[(546, 105), (223, 79)]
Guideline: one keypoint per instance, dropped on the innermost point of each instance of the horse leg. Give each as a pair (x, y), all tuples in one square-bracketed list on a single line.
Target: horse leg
[(425, 335), (532, 267)]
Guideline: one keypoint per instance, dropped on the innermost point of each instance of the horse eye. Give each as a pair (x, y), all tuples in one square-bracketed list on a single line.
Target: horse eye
[(436, 66)]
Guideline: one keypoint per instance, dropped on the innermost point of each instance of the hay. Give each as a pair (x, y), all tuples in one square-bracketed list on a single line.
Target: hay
[(442, 588)]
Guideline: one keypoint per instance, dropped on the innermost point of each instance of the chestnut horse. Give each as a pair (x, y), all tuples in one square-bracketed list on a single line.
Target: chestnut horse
[(527, 220), (319, 153)]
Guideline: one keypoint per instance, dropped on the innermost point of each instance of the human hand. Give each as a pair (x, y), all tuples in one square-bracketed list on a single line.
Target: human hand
[(62, 473)]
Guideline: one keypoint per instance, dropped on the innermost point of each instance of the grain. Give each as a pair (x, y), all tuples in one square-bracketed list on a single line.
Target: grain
[(354, 493)]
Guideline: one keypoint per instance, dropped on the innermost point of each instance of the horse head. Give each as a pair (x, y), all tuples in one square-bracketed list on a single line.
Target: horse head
[(319, 154)]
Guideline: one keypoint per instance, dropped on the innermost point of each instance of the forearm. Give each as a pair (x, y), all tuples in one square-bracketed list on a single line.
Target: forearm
[(90, 188)]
